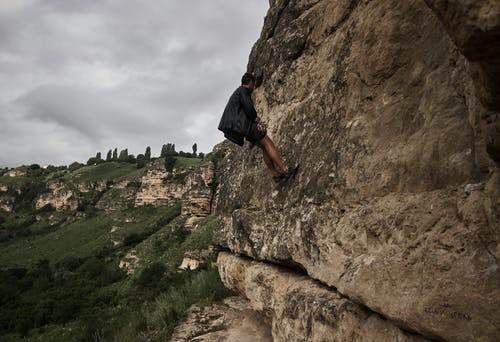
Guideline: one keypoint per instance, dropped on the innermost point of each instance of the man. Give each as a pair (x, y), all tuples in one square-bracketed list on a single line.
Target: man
[(240, 120)]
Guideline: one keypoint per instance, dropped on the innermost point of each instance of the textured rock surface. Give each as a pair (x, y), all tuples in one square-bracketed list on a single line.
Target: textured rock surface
[(197, 200), (159, 187), (474, 26), (379, 107), (155, 190), (234, 321), (6, 203), (302, 310), (58, 196)]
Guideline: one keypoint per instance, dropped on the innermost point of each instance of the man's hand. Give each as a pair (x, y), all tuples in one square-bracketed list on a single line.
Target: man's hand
[(257, 119)]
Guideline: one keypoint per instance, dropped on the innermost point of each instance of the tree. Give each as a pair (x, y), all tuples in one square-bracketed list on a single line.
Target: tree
[(98, 158), (168, 149), (195, 148), (115, 154), (201, 155), (74, 166), (109, 156), (123, 155), (131, 159), (141, 161), (147, 154), (169, 162)]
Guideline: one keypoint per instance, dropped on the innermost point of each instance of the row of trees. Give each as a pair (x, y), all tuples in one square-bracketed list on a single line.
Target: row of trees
[(167, 151)]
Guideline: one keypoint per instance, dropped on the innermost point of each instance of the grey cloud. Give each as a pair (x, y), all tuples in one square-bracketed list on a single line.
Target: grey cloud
[(125, 74)]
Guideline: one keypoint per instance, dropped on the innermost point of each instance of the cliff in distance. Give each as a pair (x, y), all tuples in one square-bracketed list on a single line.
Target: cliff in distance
[(390, 229)]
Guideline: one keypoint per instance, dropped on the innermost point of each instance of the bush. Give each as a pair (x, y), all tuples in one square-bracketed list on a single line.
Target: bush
[(151, 275), (75, 166), (132, 239)]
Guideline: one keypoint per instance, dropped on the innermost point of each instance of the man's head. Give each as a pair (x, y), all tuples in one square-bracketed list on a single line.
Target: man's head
[(248, 81)]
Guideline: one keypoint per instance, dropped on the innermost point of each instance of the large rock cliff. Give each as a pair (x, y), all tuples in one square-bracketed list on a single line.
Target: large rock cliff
[(391, 109)]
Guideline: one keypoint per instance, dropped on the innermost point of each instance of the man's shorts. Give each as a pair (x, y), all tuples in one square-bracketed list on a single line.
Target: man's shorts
[(255, 135)]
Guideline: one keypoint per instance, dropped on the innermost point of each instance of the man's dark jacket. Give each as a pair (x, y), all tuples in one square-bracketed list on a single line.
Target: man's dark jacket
[(238, 116)]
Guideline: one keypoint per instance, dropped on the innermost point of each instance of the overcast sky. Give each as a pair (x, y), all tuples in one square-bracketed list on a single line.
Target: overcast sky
[(78, 77)]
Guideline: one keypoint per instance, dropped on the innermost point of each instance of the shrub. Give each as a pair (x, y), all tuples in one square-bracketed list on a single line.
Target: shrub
[(151, 275), (132, 239), (74, 166)]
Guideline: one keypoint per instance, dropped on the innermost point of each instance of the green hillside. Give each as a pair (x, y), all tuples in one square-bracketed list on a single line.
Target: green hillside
[(60, 278)]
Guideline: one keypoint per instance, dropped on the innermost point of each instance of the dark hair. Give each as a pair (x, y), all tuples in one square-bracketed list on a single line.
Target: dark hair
[(247, 78)]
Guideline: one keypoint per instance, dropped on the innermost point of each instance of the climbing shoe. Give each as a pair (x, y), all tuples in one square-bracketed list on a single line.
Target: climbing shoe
[(278, 179), (292, 170)]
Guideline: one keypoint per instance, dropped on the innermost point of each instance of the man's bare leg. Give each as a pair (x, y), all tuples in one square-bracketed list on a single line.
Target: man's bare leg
[(268, 161), (268, 146)]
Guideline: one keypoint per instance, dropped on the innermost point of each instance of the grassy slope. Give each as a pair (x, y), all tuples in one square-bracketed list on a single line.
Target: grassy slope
[(84, 237), (88, 236), (104, 171)]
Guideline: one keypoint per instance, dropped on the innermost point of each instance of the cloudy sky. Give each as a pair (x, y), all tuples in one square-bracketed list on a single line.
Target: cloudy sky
[(78, 77)]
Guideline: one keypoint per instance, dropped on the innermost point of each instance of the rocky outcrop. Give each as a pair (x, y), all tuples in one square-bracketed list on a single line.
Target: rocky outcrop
[(58, 196), (197, 201), (15, 173), (155, 190), (91, 186), (130, 261), (7, 203), (474, 27), (300, 309), (376, 103), (233, 321), (193, 187), (193, 259)]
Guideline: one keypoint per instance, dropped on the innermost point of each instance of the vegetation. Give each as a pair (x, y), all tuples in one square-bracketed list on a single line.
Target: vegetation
[(60, 278), (101, 172)]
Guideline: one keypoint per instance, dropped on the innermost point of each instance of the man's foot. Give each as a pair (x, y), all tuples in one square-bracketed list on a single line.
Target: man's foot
[(292, 170), (279, 178)]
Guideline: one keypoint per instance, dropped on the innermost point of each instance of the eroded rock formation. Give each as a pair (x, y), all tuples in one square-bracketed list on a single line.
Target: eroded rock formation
[(397, 201), (58, 196)]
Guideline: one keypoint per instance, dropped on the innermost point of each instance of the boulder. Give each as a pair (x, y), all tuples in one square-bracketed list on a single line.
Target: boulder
[(378, 106)]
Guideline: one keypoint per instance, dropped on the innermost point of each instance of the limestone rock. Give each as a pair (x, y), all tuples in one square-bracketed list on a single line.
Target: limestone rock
[(193, 259), (7, 203), (303, 310), (59, 196), (377, 105), (234, 321), (154, 189), (91, 186), (474, 26), (130, 261), (15, 173)]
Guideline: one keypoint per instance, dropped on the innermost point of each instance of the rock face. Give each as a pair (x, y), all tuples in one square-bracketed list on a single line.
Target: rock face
[(379, 107), (302, 310), (474, 26), (197, 200), (155, 190), (59, 196), (193, 188), (234, 321)]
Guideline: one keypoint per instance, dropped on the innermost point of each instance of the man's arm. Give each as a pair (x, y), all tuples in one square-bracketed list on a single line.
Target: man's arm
[(248, 107)]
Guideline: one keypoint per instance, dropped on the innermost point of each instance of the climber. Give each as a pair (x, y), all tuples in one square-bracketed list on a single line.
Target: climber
[(240, 120)]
